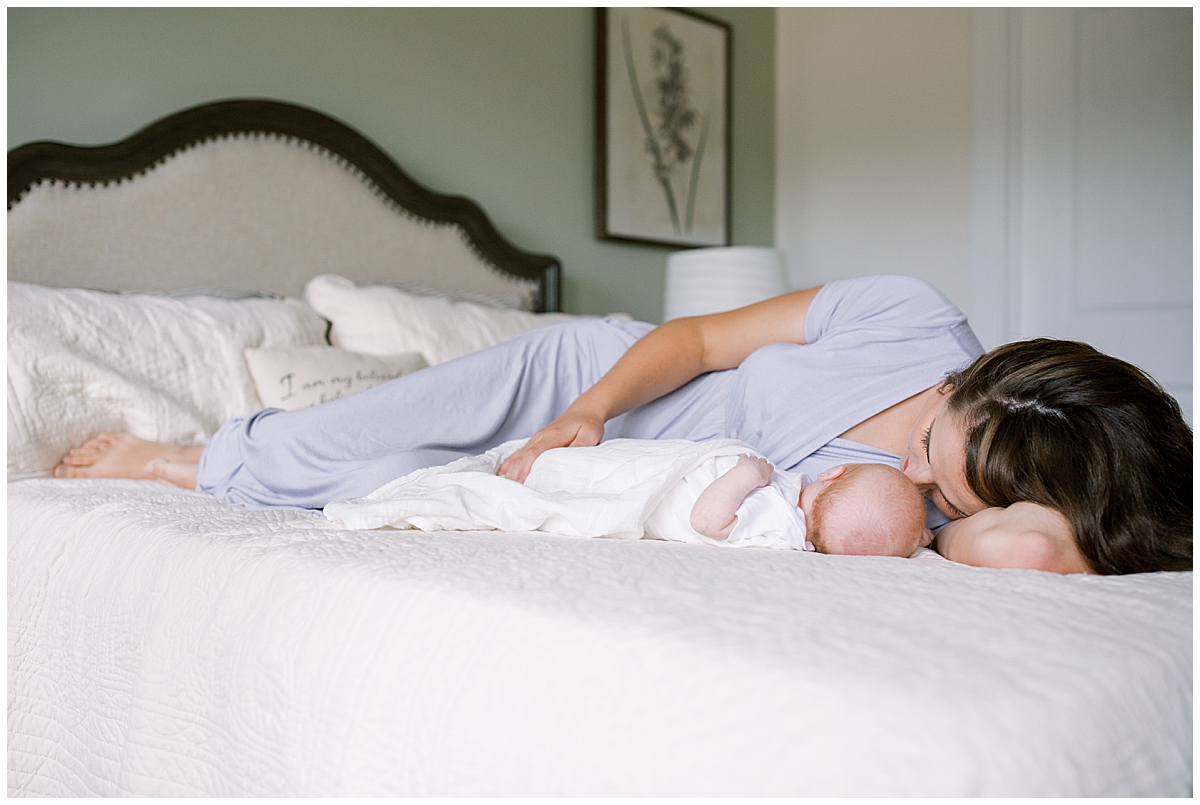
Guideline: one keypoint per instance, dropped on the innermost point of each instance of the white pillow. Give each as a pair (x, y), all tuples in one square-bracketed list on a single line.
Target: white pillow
[(383, 320), (160, 368), (302, 377), (515, 300)]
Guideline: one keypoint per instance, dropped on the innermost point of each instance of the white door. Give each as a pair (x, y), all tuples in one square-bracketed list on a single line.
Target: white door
[(1098, 108)]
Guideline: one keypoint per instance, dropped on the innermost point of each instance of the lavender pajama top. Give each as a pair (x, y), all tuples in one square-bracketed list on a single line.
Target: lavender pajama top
[(872, 342)]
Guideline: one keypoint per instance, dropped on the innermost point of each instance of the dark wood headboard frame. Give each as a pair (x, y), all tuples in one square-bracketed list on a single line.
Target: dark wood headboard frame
[(31, 163)]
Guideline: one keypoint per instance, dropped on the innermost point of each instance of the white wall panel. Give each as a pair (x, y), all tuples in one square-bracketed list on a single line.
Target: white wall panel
[(873, 145)]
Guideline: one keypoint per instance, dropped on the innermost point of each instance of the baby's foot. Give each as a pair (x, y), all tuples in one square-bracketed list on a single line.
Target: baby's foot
[(119, 455)]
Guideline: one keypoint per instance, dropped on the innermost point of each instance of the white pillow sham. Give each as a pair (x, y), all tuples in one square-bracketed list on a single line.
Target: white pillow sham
[(301, 377), (161, 368), (384, 320)]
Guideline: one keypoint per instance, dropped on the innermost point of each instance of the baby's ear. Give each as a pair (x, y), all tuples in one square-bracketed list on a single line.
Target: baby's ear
[(833, 473), (927, 538)]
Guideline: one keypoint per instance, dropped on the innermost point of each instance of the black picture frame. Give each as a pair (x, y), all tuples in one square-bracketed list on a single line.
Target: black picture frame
[(663, 127)]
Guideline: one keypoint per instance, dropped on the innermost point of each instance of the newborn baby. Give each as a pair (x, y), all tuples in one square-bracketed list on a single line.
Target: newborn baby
[(716, 493), (862, 509)]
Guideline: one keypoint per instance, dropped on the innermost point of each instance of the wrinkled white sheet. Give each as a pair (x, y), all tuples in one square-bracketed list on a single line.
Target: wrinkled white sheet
[(163, 643), (622, 489)]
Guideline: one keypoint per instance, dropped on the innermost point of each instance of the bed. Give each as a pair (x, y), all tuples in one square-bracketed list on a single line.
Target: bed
[(163, 643)]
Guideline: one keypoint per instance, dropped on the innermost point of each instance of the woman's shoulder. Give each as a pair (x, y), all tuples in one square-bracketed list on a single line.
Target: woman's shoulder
[(897, 283), (880, 300), (887, 291)]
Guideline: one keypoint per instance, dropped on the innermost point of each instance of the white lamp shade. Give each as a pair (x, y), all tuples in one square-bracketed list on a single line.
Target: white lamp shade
[(701, 281)]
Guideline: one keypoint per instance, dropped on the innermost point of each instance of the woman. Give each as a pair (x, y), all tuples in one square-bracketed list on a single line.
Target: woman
[(1042, 454)]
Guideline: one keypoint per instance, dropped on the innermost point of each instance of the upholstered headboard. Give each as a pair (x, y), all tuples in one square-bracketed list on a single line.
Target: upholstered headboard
[(250, 194)]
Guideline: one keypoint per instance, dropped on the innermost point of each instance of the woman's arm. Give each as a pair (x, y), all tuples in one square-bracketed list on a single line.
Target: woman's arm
[(663, 360), (714, 513), (1023, 535)]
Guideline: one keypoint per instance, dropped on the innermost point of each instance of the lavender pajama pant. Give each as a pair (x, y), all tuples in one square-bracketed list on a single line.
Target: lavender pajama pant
[(349, 447)]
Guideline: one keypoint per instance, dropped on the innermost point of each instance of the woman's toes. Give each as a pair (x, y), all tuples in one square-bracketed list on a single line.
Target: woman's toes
[(90, 452), (100, 443)]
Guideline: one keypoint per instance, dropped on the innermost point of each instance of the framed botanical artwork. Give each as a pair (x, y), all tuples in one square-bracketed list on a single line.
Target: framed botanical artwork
[(662, 127)]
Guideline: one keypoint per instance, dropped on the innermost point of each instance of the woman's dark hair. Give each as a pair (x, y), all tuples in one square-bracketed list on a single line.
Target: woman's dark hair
[(1061, 424)]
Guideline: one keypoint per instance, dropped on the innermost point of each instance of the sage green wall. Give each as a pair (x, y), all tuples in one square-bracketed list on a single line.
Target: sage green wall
[(491, 103)]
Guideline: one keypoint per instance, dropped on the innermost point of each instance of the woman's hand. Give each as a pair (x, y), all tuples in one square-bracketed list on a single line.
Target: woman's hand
[(569, 430), (1023, 535)]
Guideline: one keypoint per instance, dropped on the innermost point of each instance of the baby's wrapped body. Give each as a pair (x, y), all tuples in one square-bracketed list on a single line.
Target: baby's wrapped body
[(622, 488)]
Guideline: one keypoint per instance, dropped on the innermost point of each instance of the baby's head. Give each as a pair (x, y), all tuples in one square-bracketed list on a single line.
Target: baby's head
[(866, 510)]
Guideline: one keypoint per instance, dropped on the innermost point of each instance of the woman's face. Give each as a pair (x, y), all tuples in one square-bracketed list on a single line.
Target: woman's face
[(935, 457)]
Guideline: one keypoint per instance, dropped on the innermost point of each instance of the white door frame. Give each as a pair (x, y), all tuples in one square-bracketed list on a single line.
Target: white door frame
[(1002, 309), (996, 176)]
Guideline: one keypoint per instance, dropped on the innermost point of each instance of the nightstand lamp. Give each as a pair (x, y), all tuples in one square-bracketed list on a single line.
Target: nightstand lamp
[(703, 281)]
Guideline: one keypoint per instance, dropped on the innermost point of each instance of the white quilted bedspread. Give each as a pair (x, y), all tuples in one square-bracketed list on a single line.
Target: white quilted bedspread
[(162, 643)]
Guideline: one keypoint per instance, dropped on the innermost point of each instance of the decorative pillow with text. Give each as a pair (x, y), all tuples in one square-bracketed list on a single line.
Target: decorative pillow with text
[(306, 376)]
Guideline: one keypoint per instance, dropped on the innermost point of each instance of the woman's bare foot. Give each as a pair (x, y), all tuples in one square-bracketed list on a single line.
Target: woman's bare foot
[(119, 455), (179, 473)]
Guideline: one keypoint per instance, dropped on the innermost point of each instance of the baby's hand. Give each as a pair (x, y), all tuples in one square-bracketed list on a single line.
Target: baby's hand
[(756, 464)]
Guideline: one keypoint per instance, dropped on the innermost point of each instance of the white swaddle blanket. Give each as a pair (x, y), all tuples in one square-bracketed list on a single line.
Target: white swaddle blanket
[(623, 488)]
